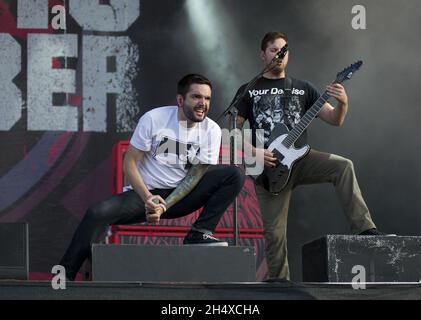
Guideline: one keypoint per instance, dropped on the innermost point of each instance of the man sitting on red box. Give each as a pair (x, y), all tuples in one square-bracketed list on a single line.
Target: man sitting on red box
[(173, 155)]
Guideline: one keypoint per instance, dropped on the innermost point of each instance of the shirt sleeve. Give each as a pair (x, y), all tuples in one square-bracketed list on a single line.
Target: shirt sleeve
[(142, 136), (313, 95)]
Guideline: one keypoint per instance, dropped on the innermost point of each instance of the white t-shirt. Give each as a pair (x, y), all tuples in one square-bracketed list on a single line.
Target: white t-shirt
[(171, 148)]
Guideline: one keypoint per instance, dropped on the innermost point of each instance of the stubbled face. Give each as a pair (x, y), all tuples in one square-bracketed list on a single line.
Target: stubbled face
[(271, 50), (195, 105)]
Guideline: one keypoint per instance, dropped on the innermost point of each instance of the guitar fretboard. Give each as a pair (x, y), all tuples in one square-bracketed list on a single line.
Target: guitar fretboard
[(305, 121)]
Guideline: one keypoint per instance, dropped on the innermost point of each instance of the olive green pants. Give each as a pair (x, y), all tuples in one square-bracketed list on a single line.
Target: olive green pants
[(316, 167)]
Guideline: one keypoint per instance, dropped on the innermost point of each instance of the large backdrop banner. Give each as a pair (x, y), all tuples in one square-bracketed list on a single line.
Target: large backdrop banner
[(68, 74)]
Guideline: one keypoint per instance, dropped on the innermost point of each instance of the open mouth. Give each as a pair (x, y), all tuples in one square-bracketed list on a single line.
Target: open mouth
[(199, 112)]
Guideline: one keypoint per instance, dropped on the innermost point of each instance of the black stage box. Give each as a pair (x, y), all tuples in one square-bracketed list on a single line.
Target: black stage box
[(340, 258), (188, 263), (14, 255)]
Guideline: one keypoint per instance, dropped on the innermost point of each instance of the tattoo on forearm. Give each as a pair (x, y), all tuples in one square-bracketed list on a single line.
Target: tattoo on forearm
[(194, 175)]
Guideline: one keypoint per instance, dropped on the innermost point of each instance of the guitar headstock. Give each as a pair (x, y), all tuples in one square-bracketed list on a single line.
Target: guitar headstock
[(348, 72)]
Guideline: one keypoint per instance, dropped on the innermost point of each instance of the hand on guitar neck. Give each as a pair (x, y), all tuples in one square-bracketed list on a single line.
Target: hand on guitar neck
[(338, 92)]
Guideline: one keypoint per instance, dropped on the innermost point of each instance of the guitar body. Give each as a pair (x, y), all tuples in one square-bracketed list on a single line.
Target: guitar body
[(275, 179)]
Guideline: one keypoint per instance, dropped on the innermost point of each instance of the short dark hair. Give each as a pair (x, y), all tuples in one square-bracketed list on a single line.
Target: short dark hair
[(184, 84), (271, 37)]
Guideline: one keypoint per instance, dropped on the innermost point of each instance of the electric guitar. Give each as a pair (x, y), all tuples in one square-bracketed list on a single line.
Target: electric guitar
[(281, 141)]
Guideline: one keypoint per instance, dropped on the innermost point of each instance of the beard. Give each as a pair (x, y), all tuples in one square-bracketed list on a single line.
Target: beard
[(195, 114), (278, 69)]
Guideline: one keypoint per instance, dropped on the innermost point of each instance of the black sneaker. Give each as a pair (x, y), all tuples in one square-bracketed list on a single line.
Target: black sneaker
[(203, 239), (375, 232)]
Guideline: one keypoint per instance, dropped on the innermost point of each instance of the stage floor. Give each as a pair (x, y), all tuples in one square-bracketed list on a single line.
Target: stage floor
[(42, 290)]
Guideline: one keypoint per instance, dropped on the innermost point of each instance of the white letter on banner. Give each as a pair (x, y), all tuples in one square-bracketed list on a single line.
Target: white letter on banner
[(33, 14), (98, 81), (92, 16), (43, 81), (10, 95)]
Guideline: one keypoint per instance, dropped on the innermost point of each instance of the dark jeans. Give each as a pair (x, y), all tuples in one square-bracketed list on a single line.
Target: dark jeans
[(215, 192)]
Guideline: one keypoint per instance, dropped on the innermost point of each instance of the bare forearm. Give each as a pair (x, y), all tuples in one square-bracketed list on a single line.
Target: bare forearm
[(336, 116), (135, 179), (194, 175), (340, 113)]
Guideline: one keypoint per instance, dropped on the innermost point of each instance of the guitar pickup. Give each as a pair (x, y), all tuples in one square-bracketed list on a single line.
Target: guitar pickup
[(279, 156)]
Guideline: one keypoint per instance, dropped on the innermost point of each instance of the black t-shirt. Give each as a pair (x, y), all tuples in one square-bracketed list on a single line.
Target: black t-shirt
[(263, 105)]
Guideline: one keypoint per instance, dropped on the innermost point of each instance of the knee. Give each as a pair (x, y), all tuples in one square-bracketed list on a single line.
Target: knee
[(345, 165), (95, 213), (236, 176), (274, 237)]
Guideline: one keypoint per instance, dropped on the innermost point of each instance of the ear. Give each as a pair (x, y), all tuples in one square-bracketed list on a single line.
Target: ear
[(180, 100), (262, 55)]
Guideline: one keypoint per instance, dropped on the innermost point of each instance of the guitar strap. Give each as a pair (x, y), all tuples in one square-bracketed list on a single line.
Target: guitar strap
[(286, 98)]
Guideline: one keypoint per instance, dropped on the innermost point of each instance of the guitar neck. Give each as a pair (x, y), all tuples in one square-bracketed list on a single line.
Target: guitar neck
[(311, 113), (305, 121)]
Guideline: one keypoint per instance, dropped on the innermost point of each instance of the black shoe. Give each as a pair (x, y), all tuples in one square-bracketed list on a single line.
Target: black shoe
[(203, 239), (375, 232)]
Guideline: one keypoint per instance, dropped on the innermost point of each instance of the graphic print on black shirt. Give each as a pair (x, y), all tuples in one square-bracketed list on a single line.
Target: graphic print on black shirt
[(269, 109), (263, 105)]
